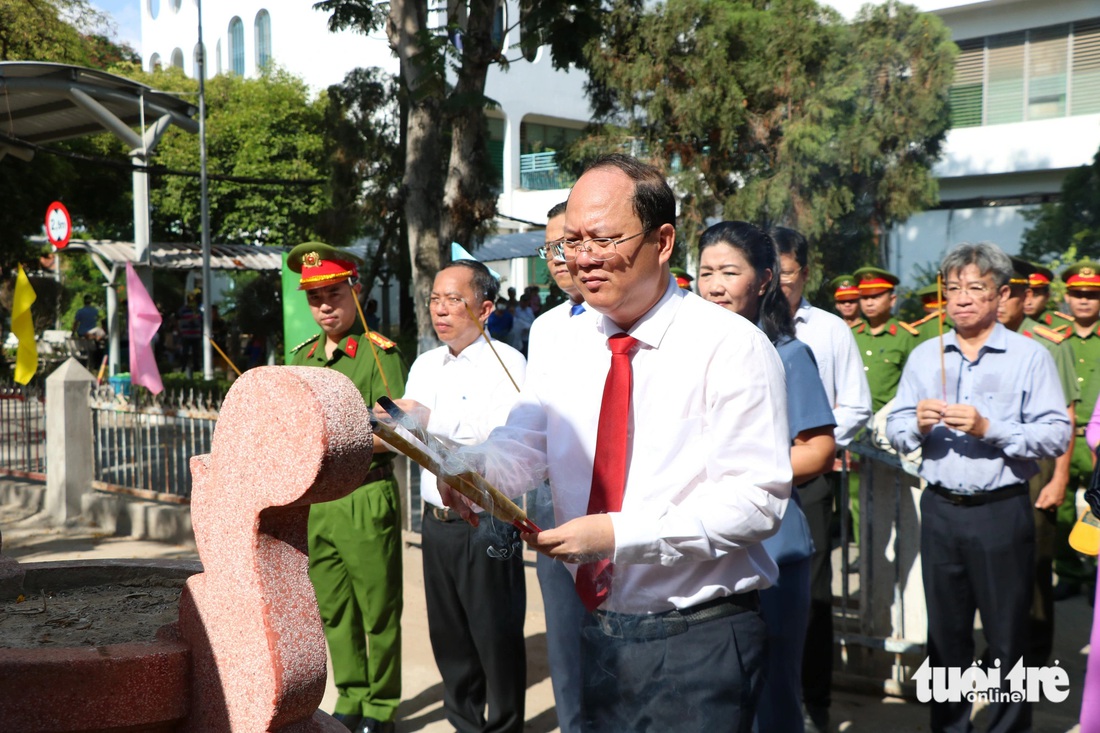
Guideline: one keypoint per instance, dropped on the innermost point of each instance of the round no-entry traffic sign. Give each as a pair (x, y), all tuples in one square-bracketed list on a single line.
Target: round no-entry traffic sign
[(59, 225)]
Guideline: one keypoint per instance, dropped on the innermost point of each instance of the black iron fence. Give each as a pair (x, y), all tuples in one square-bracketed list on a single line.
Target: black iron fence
[(23, 430), (143, 446)]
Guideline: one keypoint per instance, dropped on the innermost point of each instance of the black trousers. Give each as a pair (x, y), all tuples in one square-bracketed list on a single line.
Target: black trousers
[(978, 558), (817, 658), (476, 606), (705, 680)]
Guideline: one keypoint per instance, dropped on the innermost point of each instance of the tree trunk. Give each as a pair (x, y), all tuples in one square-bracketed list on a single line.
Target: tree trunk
[(422, 184), (467, 199)]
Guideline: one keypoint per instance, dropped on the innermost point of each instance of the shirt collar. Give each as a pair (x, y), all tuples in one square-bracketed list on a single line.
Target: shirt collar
[(470, 353), (651, 327), (997, 340), (802, 313)]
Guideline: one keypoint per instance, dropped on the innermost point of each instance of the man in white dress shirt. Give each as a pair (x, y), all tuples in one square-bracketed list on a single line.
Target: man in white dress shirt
[(473, 580), (842, 374), (564, 611), (677, 642)]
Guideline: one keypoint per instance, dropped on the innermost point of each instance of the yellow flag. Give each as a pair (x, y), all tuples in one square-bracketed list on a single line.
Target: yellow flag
[(22, 325)]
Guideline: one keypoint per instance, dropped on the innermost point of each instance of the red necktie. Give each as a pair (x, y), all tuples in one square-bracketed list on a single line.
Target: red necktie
[(609, 466)]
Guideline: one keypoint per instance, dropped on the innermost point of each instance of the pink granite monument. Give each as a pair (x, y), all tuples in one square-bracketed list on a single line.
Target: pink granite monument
[(248, 652)]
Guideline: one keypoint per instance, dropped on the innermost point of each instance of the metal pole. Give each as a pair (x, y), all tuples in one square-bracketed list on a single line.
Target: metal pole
[(207, 309)]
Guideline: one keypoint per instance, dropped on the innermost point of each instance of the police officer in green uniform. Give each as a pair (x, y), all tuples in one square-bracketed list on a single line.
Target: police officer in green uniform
[(683, 279), (884, 342), (355, 542), (1083, 296), (928, 327), (846, 299), (1048, 487), (1037, 304)]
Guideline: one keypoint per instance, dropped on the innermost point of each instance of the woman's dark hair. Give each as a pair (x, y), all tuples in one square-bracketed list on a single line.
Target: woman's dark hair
[(760, 251)]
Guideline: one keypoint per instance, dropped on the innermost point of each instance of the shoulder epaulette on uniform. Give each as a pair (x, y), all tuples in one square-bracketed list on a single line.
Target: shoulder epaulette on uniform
[(1063, 316), (381, 341), (1049, 334), (925, 320), (859, 327), (909, 328), (855, 325), (307, 342)]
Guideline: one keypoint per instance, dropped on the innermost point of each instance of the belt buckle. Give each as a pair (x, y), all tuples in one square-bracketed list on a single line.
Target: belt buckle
[(956, 499)]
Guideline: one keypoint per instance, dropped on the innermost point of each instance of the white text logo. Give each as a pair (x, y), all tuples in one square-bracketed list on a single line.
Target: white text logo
[(1021, 684)]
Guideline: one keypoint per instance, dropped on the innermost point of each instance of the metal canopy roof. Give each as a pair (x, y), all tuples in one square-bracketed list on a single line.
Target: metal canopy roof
[(45, 102), (180, 255)]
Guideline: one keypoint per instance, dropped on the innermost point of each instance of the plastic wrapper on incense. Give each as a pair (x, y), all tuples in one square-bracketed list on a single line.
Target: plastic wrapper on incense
[(469, 484)]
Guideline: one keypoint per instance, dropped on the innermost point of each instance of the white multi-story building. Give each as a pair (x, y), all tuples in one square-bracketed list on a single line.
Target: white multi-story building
[(539, 108), (1025, 103), (1025, 110)]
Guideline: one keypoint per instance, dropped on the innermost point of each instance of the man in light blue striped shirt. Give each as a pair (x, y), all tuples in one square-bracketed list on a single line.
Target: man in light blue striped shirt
[(982, 419)]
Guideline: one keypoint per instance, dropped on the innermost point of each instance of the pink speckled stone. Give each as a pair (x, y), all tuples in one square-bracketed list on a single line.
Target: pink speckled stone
[(120, 687), (287, 437)]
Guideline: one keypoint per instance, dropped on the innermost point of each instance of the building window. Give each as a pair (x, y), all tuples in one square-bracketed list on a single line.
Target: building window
[(200, 64), (539, 145), (154, 8), (236, 46), (263, 39), (218, 57), (177, 58), (174, 5), (154, 62), (1037, 74)]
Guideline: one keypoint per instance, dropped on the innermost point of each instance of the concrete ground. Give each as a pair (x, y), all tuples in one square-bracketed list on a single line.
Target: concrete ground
[(27, 537)]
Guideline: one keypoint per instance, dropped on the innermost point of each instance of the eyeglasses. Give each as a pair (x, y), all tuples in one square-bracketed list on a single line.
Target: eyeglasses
[(451, 302), (599, 249), (549, 251), (978, 291), (789, 276)]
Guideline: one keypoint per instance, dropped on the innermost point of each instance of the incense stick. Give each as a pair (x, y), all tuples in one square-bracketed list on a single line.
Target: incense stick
[(224, 356), (366, 333), (941, 304), (469, 484), (485, 336)]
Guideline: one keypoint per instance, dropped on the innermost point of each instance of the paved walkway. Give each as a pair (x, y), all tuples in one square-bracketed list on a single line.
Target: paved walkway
[(27, 537)]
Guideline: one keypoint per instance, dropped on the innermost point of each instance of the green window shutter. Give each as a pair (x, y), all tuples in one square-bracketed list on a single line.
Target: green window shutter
[(1085, 79), (966, 91), (1047, 66), (1005, 79)]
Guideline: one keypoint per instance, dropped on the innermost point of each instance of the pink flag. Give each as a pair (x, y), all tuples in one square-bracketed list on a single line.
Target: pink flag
[(144, 322)]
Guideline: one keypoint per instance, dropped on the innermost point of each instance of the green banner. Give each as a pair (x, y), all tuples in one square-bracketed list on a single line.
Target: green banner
[(298, 323)]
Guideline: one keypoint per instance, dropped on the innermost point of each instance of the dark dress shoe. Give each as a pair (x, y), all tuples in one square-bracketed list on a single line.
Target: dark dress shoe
[(370, 725), (351, 721), (1065, 589)]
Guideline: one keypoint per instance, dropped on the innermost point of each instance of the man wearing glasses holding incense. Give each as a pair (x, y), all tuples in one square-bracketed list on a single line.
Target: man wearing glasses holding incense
[(983, 410), (662, 428), (355, 542), (474, 585)]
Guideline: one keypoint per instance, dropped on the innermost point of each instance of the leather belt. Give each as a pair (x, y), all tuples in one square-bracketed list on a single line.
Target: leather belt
[(980, 497), (443, 514), (672, 623), (382, 472)]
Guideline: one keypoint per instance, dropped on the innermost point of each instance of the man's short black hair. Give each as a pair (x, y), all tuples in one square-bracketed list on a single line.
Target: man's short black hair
[(791, 242), (485, 285), (654, 203), (556, 210)]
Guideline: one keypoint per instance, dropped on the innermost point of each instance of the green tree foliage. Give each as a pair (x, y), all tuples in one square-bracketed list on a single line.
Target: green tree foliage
[(1074, 221), (99, 199), (449, 196), (265, 128), (778, 112)]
